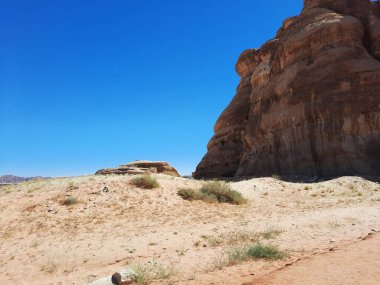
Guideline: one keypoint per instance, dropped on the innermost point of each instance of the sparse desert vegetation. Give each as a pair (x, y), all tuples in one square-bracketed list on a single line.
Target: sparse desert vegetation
[(51, 265), (68, 201), (150, 271), (213, 192), (238, 254), (145, 181), (169, 240)]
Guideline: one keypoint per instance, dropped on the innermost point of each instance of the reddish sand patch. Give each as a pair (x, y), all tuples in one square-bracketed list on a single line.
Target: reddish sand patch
[(357, 263)]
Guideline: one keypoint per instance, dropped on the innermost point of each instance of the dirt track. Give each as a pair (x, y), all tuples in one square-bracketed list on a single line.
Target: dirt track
[(358, 263)]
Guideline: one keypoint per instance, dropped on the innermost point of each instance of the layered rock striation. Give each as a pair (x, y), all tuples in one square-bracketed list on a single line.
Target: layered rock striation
[(308, 102), (141, 167)]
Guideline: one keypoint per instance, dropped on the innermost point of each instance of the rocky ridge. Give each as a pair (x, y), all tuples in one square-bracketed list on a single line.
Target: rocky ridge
[(10, 179), (141, 167)]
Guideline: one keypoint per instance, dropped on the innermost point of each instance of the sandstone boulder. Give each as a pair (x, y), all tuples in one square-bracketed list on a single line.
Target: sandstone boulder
[(308, 102), (141, 167)]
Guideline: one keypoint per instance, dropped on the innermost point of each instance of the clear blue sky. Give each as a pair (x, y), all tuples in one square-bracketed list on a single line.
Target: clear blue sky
[(88, 84)]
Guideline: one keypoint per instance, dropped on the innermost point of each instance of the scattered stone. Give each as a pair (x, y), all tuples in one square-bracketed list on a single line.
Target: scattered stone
[(125, 277), (102, 281), (128, 275), (116, 278)]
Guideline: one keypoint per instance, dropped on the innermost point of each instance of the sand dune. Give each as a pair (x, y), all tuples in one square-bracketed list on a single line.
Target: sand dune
[(43, 241)]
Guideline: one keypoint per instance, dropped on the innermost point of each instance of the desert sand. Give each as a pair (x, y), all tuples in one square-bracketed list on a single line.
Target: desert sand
[(358, 263), (43, 241)]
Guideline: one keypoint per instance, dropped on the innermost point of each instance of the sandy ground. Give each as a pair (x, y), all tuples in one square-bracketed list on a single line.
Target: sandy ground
[(357, 263), (45, 242)]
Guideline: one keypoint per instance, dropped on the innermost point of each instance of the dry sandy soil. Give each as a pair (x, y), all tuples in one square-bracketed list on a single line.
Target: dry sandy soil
[(357, 263), (45, 242)]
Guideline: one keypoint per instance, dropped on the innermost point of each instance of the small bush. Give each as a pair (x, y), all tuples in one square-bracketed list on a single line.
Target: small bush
[(238, 254), (145, 181), (270, 233), (222, 193), (70, 201), (71, 186), (50, 266), (259, 251), (190, 194), (152, 270), (213, 192)]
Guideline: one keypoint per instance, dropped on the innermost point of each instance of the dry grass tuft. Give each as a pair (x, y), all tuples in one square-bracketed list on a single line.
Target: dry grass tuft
[(214, 192), (241, 236), (145, 181), (152, 270), (71, 186), (240, 254), (51, 265), (68, 201)]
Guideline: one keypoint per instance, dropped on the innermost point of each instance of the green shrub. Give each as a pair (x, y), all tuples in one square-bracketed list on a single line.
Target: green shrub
[(70, 201), (190, 194), (259, 251), (241, 253), (213, 192), (222, 193), (145, 181)]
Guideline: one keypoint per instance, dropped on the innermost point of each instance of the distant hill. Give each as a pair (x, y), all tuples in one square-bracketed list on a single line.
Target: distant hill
[(8, 179)]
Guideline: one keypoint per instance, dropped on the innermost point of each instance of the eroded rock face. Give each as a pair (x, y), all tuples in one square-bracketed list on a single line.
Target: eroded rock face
[(308, 102), (141, 167)]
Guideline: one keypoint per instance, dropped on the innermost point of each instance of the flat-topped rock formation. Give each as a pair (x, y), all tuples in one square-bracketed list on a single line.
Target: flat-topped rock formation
[(141, 167), (308, 100)]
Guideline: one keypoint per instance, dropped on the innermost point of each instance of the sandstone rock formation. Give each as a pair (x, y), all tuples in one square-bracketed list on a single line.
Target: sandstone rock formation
[(308, 100), (141, 167)]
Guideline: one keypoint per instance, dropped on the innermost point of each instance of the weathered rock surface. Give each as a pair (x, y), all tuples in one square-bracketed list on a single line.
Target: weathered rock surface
[(308, 102), (141, 167)]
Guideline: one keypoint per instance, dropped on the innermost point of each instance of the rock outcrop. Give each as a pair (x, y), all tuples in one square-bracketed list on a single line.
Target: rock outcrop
[(141, 167), (308, 102), (10, 179)]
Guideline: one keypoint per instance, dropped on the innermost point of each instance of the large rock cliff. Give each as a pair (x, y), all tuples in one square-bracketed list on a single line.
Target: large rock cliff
[(308, 102)]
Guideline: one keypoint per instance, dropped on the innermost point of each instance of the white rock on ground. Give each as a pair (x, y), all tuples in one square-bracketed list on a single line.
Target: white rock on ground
[(127, 275)]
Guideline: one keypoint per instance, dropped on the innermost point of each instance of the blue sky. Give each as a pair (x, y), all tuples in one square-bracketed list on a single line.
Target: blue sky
[(88, 84)]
